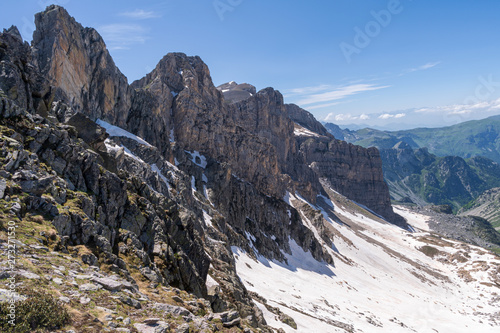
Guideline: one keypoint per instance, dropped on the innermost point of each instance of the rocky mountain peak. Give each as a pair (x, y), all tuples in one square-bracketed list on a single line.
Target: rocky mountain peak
[(77, 68), (13, 31), (177, 198), (234, 92)]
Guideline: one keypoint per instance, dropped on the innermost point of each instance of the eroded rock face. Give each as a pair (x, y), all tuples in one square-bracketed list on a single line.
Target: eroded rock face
[(306, 119), (352, 170), (201, 121), (16, 71), (122, 196), (264, 114), (234, 92), (77, 67)]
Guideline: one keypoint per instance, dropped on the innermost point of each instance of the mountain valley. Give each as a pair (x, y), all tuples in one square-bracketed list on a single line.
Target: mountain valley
[(172, 205)]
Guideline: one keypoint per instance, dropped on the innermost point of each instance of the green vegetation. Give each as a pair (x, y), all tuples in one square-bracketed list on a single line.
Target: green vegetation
[(429, 251), (467, 139), (39, 311)]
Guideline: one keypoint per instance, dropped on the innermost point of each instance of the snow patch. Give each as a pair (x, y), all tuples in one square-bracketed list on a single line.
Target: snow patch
[(301, 131), (117, 131), (193, 184), (198, 159), (155, 168), (208, 219), (130, 154), (171, 136)]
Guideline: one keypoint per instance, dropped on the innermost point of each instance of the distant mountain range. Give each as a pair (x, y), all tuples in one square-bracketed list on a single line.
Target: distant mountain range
[(467, 139), (450, 165)]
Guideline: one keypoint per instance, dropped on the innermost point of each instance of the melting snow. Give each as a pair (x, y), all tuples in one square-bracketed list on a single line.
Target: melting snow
[(172, 137), (208, 219), (198, 159), (117, 131), (129, 153), (415, 220), (155, 168), (301, 131), (211, 282), (380, 282), (193, 184)]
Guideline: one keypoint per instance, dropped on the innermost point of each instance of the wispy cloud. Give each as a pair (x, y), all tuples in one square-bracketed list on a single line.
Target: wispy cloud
[(122, 36), (462, 108), (310, 95), (140, 14), (421, 68)]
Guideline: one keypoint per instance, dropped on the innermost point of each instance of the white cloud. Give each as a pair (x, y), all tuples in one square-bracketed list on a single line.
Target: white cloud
[(121, 36), (389, 115), (457, 109), (345, 117), (338, 93), (140, 14), (426, 66), (420, 68)]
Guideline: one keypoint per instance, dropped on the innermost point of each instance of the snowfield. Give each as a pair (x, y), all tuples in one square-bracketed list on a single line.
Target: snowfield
[(384, 279), (118, 131), (302, 131)]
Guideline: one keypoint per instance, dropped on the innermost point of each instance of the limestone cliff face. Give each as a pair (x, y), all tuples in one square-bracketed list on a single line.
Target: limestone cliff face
[(16, 71), (305, 157), (77, 67), (201, 121), (352, 170), (264, 114), (306, 119), (126, 197)]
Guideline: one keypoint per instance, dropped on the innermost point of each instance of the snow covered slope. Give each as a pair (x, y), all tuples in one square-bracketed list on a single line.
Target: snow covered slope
[(385, 279)]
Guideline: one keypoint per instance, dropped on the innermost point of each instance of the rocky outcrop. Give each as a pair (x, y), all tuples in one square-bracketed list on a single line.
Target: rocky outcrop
[(16, 71), (234, 92), (487, 206), (76, 67), (354, 171), (306, 119), (264, 114), (206, 175), (201, 121)]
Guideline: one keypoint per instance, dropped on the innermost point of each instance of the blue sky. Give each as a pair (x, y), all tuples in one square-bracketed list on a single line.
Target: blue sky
[(393, 63)]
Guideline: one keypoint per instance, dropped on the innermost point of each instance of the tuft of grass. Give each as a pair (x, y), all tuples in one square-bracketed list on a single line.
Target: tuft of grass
[(496, 250), (40, 310), (429, 251)]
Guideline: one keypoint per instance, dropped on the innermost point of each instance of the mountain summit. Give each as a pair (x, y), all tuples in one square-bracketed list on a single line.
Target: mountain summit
[(169, 204)]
